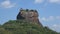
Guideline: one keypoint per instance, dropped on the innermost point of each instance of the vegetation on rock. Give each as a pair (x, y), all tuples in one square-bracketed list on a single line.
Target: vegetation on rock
[(24, 27)]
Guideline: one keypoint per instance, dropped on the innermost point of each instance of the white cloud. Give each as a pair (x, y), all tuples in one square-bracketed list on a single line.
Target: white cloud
[(57, 17), (50, 18), (54, 1), (7, 4), (48, 1), (44, 19), (56, 27), (39, 1)]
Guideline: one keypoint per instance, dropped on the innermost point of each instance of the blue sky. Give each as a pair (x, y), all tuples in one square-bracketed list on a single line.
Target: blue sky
[(49, 11)]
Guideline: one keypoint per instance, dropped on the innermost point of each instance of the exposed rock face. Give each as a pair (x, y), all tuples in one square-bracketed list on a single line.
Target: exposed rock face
[(29, 15)]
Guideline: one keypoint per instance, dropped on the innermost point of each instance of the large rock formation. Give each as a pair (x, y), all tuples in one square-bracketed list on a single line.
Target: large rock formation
[(29, 15)]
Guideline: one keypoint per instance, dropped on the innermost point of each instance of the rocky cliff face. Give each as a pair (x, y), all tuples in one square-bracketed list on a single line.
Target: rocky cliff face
[(29, 15)]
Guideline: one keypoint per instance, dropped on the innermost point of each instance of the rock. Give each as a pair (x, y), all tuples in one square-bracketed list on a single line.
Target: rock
[(29, 15)]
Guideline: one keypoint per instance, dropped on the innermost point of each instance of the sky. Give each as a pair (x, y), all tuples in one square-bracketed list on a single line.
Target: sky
[(49, 11)]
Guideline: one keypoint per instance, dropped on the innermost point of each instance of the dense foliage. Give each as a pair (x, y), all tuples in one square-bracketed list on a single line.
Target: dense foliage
[(24, 27)]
